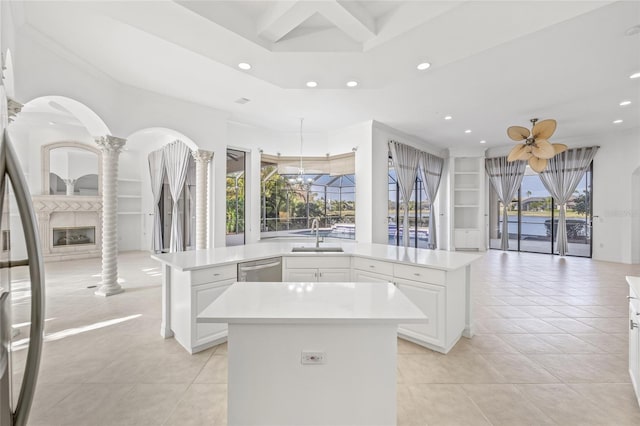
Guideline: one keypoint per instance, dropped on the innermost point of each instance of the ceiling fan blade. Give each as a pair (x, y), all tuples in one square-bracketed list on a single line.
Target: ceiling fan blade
[(543, 149), (537, 164), (525, 154), (544, 129), (559, 147), (515, 153), (518, 133)]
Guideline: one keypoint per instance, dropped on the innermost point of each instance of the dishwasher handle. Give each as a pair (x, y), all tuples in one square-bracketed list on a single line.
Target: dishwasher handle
[(258, 267)]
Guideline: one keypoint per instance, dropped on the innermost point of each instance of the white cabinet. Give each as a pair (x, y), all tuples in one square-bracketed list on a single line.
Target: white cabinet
[(634, 333), (466, 238), (371, 270), (317, 269), (467, 203), (430, 299), (191, 292), (439, 294)]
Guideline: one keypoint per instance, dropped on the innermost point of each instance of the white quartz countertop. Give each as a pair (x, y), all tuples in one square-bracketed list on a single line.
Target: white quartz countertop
[(634, 283), (199, 259), (312, 303)]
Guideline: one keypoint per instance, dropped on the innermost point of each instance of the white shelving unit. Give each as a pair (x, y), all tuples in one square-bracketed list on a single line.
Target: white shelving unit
[(129, 214), (468, 203)]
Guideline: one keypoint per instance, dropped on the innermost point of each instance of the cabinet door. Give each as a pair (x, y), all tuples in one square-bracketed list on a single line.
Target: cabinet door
[(301, 275), (334, 275), (634, 349), (370, 277), (203, 296), (430, 299)]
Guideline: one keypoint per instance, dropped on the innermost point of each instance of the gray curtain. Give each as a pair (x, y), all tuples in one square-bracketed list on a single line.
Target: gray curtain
[(156, 172), (405, 163), (561, 177), (505, 177), (176, 158), (431, 173)]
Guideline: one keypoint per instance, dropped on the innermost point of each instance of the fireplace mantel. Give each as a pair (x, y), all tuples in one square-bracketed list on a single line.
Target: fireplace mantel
[(59, 211)]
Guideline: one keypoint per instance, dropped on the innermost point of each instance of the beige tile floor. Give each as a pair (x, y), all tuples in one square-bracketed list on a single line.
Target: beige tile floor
[(551, 348)]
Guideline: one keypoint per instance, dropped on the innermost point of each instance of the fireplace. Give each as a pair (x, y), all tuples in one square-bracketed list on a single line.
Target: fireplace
[(73, 236)]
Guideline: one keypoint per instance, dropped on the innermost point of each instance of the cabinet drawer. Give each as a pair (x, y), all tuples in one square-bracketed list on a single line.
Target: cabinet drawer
[(318, 262), (210, 275), (417, 273), (371, 265)]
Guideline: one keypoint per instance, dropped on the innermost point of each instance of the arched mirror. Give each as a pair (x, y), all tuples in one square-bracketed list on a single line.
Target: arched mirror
[(71, 168)]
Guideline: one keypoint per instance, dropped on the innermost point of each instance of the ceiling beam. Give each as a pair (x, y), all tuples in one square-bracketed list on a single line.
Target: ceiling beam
[(284, 16)]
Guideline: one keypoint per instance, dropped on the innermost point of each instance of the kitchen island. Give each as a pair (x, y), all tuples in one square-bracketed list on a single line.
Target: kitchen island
[(312, 353), (438, 282)]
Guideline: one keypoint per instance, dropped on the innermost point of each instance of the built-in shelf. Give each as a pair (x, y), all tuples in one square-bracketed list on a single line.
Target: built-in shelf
[(467, 200), (128, 180), (129, 196), (129, 213)]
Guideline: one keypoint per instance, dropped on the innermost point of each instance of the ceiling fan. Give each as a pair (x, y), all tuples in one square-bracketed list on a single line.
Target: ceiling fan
[(536, 148)]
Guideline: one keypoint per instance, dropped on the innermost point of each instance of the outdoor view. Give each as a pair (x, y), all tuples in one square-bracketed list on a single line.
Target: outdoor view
[(290, 202), (419, 207), (533, 212)]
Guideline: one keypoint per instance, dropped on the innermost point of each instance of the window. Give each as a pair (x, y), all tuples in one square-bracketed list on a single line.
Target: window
[(236, 172), (419, 208), (290, 201)]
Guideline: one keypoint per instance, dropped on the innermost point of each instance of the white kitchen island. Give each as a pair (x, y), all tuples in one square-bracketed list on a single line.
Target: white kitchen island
[(439, 282), (312, 354)]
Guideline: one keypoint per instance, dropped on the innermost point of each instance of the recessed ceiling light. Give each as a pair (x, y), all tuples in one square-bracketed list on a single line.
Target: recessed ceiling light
[(244, 66), (468, 131), (448, 117), (423, 66), (625, 103), (483, 141), (312, 84), (352, 83), (617, 121), (635, 75)]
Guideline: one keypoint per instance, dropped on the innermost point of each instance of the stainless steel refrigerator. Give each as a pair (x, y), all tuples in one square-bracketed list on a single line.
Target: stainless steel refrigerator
[(14, 411)]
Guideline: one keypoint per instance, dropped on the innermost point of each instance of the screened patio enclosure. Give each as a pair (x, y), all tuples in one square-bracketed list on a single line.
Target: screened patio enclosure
[(291, 200)]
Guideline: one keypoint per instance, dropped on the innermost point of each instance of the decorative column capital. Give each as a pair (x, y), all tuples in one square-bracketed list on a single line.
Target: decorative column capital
[(202, 156), (110, 144), (13, 109)]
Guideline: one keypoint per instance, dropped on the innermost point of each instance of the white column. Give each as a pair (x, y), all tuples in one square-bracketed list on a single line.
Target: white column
[(71, 185), (203, 158), (110, 147)]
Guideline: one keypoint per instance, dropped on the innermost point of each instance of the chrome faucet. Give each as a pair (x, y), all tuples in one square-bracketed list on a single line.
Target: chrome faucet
[(316, 224)]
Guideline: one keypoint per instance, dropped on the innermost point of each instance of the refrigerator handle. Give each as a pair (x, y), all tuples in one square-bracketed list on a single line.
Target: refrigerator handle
[(9, 166)]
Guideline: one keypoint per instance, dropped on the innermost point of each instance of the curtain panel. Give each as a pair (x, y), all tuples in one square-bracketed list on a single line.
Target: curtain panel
[(405, 162), (431, 174), (176, 156), (505, 177), (156, 173), (560, 178)]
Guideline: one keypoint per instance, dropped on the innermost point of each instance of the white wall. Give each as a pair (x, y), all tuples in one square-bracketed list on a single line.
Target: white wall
[(613, 174)]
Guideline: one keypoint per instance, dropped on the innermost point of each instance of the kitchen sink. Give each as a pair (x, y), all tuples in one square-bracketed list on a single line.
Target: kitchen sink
[(317, 250)]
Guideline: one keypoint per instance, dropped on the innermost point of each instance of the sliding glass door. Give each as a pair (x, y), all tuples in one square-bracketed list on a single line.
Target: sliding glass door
[(533, 218)]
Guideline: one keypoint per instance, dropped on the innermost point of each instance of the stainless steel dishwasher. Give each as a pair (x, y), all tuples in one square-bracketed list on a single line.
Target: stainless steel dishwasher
[(264, 270)]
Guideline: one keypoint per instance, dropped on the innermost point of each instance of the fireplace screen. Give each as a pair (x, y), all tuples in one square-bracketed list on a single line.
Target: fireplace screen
[(74, 236)]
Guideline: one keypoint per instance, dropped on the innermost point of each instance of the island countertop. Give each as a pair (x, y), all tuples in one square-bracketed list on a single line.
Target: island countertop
[(199, 259), (310, 303)]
